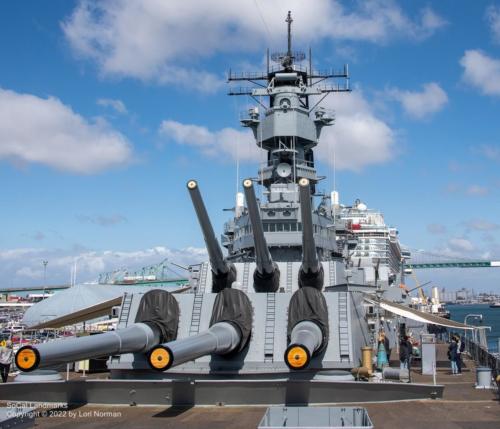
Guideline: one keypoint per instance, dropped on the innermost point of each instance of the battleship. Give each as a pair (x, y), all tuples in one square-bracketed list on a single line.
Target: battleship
[(286, 314)]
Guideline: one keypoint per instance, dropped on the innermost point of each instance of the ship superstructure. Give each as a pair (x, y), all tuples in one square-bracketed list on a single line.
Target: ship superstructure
[(287, 128)]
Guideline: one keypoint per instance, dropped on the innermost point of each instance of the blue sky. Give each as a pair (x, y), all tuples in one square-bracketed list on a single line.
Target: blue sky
[(108, 108)]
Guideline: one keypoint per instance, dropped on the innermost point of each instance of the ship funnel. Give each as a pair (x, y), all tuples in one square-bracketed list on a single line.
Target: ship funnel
[(229, 332), (267, 275), (311, 270), (156, 322), (223, 272)]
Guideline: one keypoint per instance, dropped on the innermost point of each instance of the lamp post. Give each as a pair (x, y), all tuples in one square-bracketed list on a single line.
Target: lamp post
[(378, 294), (44, 262), (73, 273), (476, 316)]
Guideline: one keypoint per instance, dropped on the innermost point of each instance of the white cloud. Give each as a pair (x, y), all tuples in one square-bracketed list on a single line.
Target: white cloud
[(477, 190), (103, 220), (462, 248), (38, 236), (490, 151), (233, 143), (24, 266), (117, 105), (459, 244), (358, 138), (471, 190), (481, 225), (436, 228), (29, 272), (163, 41), (481, 71), (430, 23), (13, 254), (456, 248), (493, 18), (46, 131), (417, 104)]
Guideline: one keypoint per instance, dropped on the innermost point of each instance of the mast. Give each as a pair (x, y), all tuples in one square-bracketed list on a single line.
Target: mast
[(288, 61), (289, 20)]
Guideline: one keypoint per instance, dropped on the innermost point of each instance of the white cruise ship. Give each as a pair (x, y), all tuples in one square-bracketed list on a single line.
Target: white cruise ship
[(371, 242)]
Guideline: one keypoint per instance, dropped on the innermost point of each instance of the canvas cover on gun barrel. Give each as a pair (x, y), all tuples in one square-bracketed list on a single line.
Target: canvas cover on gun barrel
[(233, 306), (308, 303), (160, 309)]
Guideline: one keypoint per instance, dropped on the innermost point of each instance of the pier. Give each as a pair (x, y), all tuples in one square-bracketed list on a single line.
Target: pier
[(462, 406)]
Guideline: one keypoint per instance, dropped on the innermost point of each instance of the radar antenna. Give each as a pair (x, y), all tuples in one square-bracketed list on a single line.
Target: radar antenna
[(289, 20), (287, 60)]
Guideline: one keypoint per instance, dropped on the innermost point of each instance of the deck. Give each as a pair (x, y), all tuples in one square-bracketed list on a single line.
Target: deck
[(462, 407)]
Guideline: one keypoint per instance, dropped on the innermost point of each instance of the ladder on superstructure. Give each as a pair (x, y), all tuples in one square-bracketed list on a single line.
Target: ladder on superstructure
[(194, 328)]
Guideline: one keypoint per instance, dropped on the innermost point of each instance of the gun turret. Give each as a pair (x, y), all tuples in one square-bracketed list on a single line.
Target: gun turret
[(230, 329), (307, 327), (311, 271), (156, 322), (266, 277), (223, 272)]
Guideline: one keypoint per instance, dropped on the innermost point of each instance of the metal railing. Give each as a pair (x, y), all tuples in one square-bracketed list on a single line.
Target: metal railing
[(483, 357)]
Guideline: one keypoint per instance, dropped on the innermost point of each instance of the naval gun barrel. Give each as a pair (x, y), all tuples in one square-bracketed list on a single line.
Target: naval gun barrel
[(224, 273), (266, 275), (156, 321), (229, 331), (221, 338), (139, 337), (306, 338), (311, 270)]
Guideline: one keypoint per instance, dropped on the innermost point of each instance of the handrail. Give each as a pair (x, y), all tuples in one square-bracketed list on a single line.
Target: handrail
[(482, 356)]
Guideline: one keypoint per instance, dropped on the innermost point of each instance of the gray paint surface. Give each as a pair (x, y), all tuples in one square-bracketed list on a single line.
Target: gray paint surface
[(216, 392)]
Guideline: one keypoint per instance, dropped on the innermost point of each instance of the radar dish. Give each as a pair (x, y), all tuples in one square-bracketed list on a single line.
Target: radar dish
[(284, 170), (277, 56), (298, 56)]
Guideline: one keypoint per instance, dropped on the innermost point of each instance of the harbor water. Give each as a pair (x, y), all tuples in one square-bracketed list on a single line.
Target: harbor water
[(491, 317)]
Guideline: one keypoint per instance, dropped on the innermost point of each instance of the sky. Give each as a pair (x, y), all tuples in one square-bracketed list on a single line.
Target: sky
[(108, 108)]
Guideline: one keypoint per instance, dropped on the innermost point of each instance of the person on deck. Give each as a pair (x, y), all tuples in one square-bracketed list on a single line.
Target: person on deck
[(6, 357), (383, 350), (405, 353), (383, 339), (452, 355)]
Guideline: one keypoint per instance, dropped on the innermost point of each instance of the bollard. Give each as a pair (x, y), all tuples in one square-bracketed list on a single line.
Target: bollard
[(367, 359), (483, 377)]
